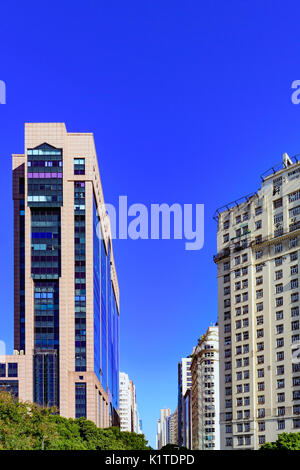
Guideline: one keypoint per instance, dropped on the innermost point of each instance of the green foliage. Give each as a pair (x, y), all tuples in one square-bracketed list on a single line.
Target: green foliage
[(26, 426), (285, 441)]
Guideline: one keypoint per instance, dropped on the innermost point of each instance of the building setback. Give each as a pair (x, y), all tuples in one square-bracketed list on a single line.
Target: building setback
[(258, 285), (205, 429), (66, 294)]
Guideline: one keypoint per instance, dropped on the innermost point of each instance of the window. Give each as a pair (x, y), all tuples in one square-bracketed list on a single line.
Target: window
[(260, 373), (294, 269), (259, 280), (280, 370), (261, 426), (12, 369), (259, 294), (295, 325), (277, 203), (260, 359), (279, 315), (80, 399), (278, 261), (294, 196), (294, 283), (258, 224), (281, 410), (280, 383), (258, 254), (280, 424), (2, 370), (226, 278), (295, 297), (279, 329), (293, 242), (79, 166), (261, 439), (295, 311), (226, 238), (294, 256), (280, 342), (279, 301), (226, 266), (280, 356), (258, 210), (260, 333), (278, 248), (260, 320), (258, 268), (259, 307), (238, 219)]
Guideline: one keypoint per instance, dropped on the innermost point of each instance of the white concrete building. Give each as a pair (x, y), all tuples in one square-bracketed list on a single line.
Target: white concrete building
[(206, 392), (162, 428), (125, 402), (258, 284)]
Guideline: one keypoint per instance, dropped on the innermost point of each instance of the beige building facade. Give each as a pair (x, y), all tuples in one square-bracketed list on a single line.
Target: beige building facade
[(258, 295)]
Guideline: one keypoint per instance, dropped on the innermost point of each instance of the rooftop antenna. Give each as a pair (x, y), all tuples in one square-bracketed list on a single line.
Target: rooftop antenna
[(286, 160)]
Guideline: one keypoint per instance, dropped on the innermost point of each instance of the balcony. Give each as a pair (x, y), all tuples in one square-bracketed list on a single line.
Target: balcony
[(225, 253)]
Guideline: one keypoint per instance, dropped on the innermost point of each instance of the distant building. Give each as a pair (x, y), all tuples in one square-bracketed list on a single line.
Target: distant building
[(205, 392), (184, 383), (129, 414), (125, 403), (162, 428)]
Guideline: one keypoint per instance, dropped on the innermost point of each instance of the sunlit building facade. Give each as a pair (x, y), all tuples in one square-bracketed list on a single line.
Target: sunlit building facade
[(258, 285), (66, 294)]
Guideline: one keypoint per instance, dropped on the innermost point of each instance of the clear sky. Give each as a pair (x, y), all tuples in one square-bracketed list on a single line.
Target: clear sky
[(189, 102)]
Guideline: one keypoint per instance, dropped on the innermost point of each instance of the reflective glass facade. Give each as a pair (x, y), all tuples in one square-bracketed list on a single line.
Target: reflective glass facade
[(45, 197), (80, 276), (80, 400), (96, 276)]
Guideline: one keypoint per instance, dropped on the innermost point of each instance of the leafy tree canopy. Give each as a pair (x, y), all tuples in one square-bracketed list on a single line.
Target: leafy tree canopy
[(285, 441), (27, 426)]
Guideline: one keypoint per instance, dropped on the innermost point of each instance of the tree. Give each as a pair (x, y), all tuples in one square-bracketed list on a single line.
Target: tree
[(27, 426), (285, 441)]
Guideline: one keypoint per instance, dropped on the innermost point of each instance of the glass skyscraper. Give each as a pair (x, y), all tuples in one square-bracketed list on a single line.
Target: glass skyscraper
[(66, 294)]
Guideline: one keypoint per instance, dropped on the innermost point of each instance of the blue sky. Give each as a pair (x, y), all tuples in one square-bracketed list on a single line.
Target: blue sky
[(189, 102)]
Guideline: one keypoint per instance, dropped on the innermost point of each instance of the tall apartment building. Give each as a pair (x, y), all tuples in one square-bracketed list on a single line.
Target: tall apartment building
[(125, 403), (184, 383), (258, 283), (129, 415), (162, 429), (205, 392), (171, 428), (66, 294)]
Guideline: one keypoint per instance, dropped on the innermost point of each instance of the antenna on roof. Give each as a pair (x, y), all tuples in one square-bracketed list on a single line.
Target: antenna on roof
[(286, 160)]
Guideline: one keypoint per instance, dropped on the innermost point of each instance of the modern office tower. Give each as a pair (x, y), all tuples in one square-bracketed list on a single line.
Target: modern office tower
[(66, 294), (161, 435), (125, 403), (205, 392), (184, 383), (258, 284)]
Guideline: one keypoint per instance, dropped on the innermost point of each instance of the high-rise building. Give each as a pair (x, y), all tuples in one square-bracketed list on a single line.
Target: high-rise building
[(129, 415), (258, 284), (125, 403), (205, 392), (66, 294), (171, 425), (162, 428), (187, 419), (184, 383)]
